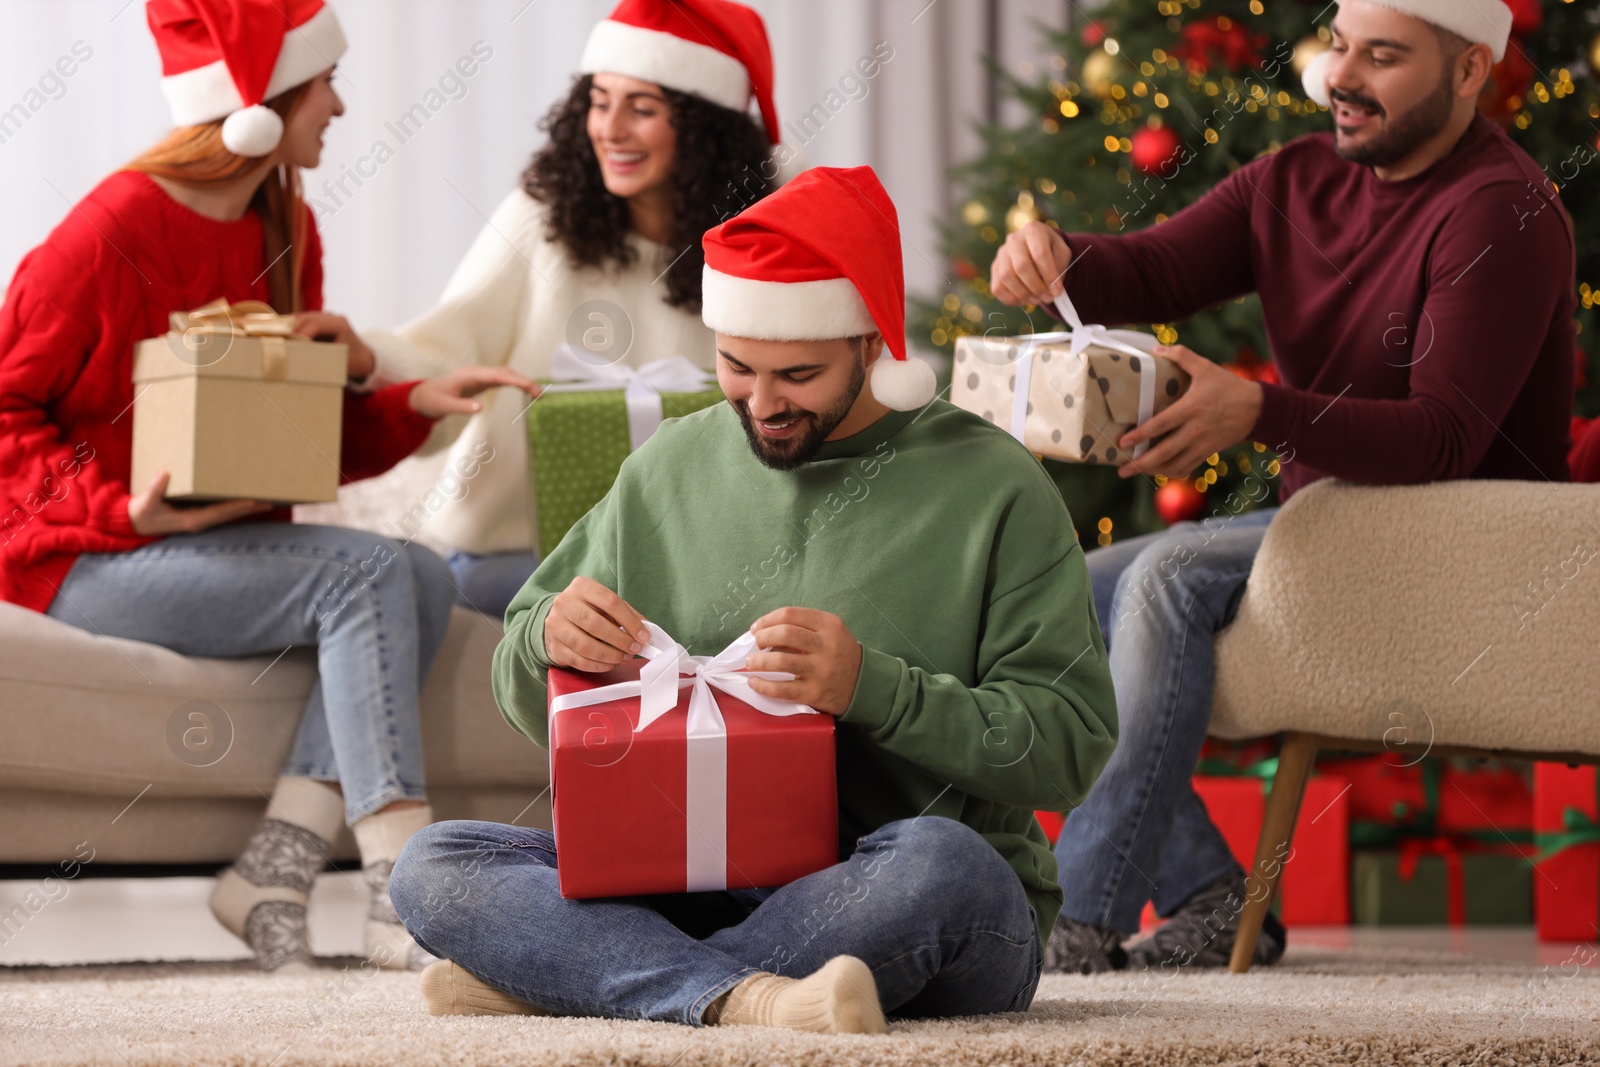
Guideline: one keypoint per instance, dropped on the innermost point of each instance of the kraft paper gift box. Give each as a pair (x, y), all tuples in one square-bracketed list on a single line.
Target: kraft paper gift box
[(234, 407), (663, 788), (586, 423), (1068, 395)]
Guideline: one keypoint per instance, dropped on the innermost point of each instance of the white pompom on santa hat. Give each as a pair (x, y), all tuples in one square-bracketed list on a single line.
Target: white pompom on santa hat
[(222, 59), (714, 49), (817, 260), (1479, 21)]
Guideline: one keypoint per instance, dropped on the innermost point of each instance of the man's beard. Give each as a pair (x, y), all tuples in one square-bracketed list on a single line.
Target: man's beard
[(791, 452), (1398, 139)]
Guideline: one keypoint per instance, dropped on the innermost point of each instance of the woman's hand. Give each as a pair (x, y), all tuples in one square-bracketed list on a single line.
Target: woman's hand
[(814, 646), (1029, 266), (326, 326), (152, 516), (449, 394)]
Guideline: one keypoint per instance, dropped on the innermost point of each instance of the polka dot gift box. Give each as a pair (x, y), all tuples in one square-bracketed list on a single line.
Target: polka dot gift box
[(583, 427), (1068, 395)]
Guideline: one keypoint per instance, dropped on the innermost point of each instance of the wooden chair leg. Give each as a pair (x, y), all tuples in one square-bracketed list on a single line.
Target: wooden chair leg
[(1298, 753)]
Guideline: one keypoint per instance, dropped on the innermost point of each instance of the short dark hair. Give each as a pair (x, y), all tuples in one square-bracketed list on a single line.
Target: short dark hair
[(1452, 44)]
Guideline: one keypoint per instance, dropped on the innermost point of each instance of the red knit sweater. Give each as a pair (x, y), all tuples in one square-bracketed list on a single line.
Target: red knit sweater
[(106, 278), (1423, 328)]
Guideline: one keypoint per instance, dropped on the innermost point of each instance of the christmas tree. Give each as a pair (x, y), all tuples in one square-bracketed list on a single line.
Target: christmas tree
[(1145, 105)]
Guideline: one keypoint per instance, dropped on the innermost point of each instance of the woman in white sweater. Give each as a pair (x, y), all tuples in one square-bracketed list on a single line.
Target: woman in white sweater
[(599, 248)]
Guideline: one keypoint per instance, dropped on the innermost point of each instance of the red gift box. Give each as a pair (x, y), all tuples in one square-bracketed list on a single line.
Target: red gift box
[(1051, 823), (1314, 889), (674, 808), (1392, 797), (1566, 820)]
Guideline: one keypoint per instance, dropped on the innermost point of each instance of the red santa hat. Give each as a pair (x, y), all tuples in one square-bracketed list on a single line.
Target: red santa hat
[(714, 49), (220, 59), (818, 259), (1479, 21)]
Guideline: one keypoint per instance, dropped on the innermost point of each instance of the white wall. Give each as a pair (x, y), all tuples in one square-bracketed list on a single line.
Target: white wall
[(392, 241)]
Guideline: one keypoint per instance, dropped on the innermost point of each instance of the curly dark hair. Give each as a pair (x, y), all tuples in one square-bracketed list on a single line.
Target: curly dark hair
[(721, 168)]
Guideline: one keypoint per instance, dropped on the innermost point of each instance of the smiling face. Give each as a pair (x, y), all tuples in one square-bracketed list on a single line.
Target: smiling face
[(630, 127), (792, 396), (302, 130), (1393, 85)]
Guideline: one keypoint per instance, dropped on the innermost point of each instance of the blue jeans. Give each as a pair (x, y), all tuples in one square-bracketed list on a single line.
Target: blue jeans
[(927, 903), (375, 609), (1142, 834), (487, 583)]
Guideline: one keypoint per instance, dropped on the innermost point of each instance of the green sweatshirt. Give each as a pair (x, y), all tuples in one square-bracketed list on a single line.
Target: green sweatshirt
[(984, 691)]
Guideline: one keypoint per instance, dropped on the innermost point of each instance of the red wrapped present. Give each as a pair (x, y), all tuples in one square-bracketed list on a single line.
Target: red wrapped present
[(1395, 796), (1314, 889), (1566, 884), (1051, 823), (670, 775)]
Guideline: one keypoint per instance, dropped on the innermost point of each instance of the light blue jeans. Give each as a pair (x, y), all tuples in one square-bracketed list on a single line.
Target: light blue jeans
[(927, 903), (487, 583), (375, 609), (1142, 834)]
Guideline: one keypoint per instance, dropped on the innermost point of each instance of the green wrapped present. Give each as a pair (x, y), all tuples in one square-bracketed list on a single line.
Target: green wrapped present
[(586, 422), (1437, 881)]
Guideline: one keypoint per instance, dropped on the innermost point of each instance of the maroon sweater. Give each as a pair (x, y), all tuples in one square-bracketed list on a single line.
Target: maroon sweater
[(1423, 329)]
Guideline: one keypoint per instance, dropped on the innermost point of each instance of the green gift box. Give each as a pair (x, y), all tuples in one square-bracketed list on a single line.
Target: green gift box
[(585, 423), (1434, 882)]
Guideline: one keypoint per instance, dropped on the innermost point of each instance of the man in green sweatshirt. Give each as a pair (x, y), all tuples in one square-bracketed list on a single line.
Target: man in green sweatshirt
[(913, 569)]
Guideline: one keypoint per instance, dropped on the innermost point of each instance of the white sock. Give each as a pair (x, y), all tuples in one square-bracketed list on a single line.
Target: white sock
[(380, 838), (262, 897)]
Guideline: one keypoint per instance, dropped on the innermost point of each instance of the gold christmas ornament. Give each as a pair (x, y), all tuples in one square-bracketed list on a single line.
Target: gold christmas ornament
[(1099, 71), (1305, 50), (1594, 54)]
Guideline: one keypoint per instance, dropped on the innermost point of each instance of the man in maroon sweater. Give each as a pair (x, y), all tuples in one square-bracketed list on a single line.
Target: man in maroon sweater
[(1416, 272)]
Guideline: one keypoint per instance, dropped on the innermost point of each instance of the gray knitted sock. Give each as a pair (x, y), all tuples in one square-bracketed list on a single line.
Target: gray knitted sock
[(262, 897), (1201, 932), (1081, 948)]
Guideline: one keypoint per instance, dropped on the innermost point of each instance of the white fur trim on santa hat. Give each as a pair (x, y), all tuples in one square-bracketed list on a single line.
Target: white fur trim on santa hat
[(1479, 21), (207, 93), (618, 48), (783, 311), (903, 384)]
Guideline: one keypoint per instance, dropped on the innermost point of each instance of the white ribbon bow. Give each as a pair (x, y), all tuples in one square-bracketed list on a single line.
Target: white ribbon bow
[(1131, 343), (669, 669), (642, 386)]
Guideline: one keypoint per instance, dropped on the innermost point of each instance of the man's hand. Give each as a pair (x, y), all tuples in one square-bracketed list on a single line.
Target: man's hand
[(450, 394), (1029, 266), (1219, 409), (592, 629), (815, 647), (154, 517), (326, 326)]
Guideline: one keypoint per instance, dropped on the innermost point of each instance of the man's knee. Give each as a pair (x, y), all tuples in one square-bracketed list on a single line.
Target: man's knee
[(436, 868), (923, 854)]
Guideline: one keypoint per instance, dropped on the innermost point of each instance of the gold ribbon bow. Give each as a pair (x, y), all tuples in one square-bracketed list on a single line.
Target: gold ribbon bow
[(252, 318)]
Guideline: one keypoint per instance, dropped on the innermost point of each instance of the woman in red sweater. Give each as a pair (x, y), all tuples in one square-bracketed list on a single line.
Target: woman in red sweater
[(214, 211)]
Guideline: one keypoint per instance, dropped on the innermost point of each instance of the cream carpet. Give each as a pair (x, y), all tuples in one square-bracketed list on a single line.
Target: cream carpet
[(1368, 1006)]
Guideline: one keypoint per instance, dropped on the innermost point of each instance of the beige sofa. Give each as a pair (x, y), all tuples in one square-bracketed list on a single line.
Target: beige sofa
[(100, 740)]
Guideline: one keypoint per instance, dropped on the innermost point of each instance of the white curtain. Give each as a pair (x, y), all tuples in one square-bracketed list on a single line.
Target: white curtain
[(79, 96)]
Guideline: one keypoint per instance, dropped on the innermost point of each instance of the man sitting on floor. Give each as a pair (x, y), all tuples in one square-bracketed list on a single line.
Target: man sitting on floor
[(1417, 278), (942, 614)]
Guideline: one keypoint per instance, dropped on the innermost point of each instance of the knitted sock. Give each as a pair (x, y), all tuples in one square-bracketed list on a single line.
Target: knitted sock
[(450, 989), (1201, 932), (1082, 948), (840, 998), (262, 897), (380, 838)]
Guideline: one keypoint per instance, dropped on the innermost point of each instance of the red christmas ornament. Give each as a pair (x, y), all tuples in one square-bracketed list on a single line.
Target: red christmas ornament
[(1219, 40), (1179, 501), (1093, 34), (1509, 81), (1251, 367), (1154, 148), (964, 269)]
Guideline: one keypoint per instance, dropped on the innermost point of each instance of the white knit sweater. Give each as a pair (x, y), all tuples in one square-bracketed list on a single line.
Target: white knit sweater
[(513, 299)]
